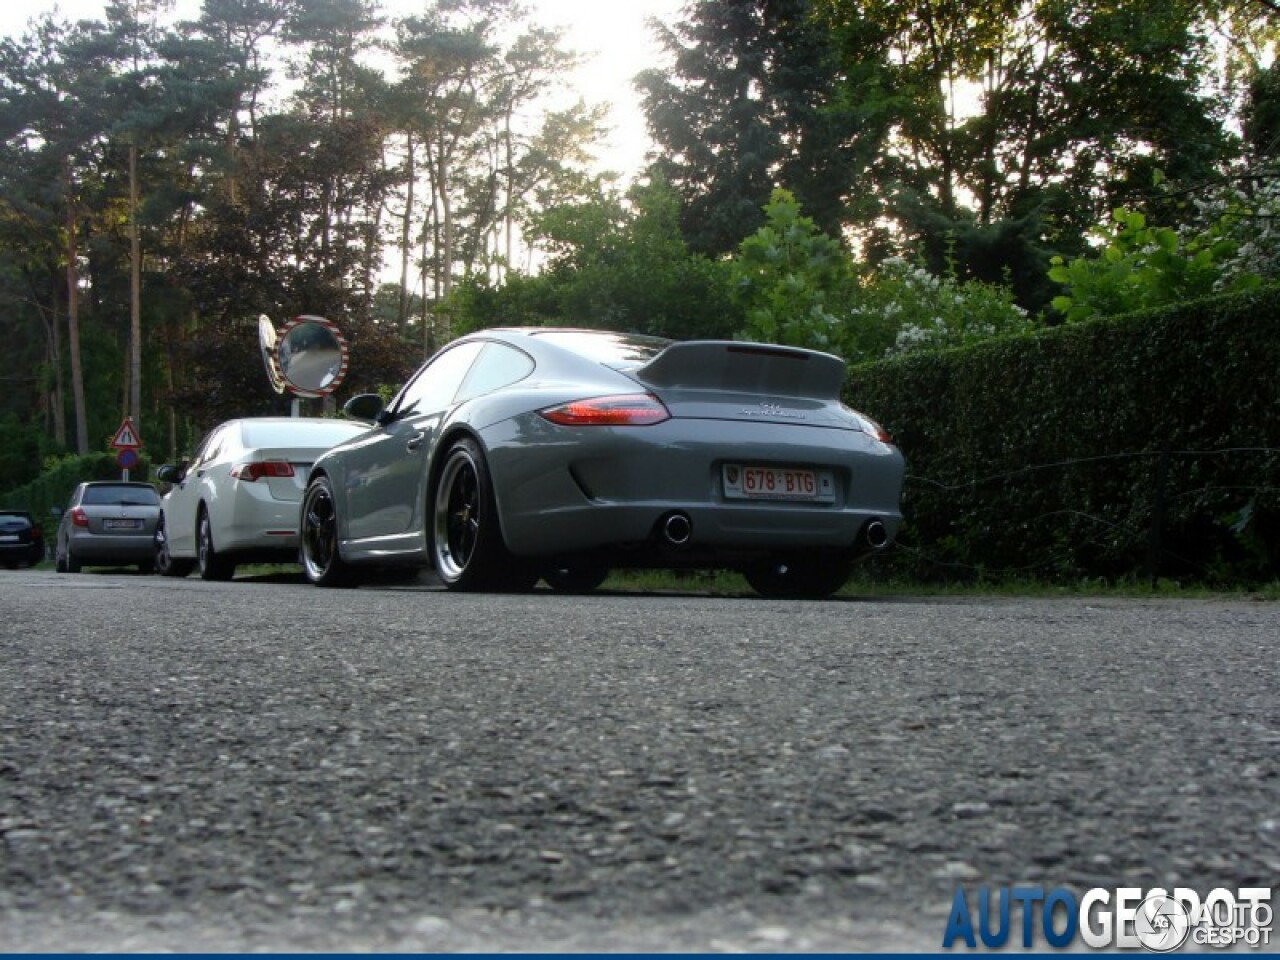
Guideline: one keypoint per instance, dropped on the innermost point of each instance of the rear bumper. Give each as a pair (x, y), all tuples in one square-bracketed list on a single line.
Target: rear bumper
[(633, 535), (112, 548), (614, 487), (28, 553), (253, 522)]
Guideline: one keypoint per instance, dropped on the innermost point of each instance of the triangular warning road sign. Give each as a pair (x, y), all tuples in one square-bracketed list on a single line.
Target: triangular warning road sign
[(126, 437)]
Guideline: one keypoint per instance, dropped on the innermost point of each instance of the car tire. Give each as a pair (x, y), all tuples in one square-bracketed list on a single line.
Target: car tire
[(797, 579), (322, 563), (70, 562), (466, 544), (59, 562), (575, 579), (211, 565), (166, 564)]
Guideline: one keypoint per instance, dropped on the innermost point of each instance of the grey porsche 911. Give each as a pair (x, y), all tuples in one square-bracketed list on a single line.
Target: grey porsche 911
[(515, 455)]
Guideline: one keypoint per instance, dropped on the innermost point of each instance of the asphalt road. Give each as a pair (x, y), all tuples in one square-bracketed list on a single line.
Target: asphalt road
[(264, 765)]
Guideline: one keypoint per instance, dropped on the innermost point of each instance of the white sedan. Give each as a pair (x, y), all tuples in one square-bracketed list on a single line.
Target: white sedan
[(237, 499)]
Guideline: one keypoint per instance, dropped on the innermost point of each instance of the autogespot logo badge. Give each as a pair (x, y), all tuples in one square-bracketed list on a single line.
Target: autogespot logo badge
[(1162, 923), (1127, 918)]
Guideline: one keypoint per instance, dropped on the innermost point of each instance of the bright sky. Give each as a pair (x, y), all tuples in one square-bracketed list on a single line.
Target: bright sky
[(610, 34)]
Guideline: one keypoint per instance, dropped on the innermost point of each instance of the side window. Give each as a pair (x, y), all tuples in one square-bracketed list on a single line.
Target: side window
[(198, 456), (437, 383), (498, 366), (209, 448)]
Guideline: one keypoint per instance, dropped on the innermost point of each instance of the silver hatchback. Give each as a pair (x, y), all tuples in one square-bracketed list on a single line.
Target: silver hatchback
[(108, 524)]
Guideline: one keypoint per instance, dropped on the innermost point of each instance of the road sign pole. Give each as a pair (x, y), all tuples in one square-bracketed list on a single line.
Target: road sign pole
[(127, 458)]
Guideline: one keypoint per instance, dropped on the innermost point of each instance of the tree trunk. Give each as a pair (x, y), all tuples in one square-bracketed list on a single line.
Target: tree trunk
[(406, 232), (73, 315), (447, 254), (509, 213), (135, 293), (53, 353)]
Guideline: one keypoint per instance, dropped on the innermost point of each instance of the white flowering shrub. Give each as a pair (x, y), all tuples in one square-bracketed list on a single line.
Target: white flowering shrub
[(1233, 245), (925, 311), (1247, 214)]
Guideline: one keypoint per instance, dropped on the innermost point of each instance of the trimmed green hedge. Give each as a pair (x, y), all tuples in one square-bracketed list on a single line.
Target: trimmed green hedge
[(53, 487), (1145, 445)]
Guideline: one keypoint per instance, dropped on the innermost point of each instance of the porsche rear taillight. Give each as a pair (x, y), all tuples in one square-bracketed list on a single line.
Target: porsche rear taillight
[(628, 410), (869, 426), (250, 472), (79, 518)]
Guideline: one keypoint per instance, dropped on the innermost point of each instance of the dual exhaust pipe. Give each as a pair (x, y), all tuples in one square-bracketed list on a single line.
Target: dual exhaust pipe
[(676, 530), (874, 535)]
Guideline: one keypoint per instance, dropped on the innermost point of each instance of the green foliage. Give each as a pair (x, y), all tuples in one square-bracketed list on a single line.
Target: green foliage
[(615, 266), (1262, 111), (1246, 215), (1009, 126), (789, 278), (1046, 455), (48, 493), (251, 204), (754, 97), (927, 312), (19, 452), (796, 285), (1139, 266)]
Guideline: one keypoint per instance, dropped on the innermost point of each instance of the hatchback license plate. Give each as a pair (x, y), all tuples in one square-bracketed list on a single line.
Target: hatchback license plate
[(777, 483), (118, 524)]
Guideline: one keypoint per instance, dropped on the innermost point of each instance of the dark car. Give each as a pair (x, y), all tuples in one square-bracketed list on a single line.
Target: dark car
[(108, 524), (21, 539)]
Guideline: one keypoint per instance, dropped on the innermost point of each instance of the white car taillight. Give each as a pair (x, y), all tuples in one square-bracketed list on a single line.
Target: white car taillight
[(250, 472)]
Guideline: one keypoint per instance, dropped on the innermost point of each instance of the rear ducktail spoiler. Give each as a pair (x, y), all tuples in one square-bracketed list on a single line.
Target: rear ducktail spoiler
[(758, 368)]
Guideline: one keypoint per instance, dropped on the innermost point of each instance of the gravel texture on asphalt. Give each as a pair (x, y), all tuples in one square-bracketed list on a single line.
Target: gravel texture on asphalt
[(261, 765)]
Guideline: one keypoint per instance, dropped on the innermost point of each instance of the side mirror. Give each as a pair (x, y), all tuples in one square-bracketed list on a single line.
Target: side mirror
[(365, 406), (169, 473)]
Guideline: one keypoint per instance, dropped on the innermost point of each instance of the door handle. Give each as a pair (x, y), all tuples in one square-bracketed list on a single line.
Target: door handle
[(415, 441)]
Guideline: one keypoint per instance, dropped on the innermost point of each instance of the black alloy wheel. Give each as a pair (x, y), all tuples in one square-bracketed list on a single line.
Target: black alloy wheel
[(321, 561), (467, 547)]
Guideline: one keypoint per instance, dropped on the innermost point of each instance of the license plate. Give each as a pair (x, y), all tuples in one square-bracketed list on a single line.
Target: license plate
[(777, 483), (9, 538), (114, 523)]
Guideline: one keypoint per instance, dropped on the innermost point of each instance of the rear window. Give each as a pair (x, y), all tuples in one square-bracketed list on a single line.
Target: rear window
[(621, 350), (113, 496), (299, 434)]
